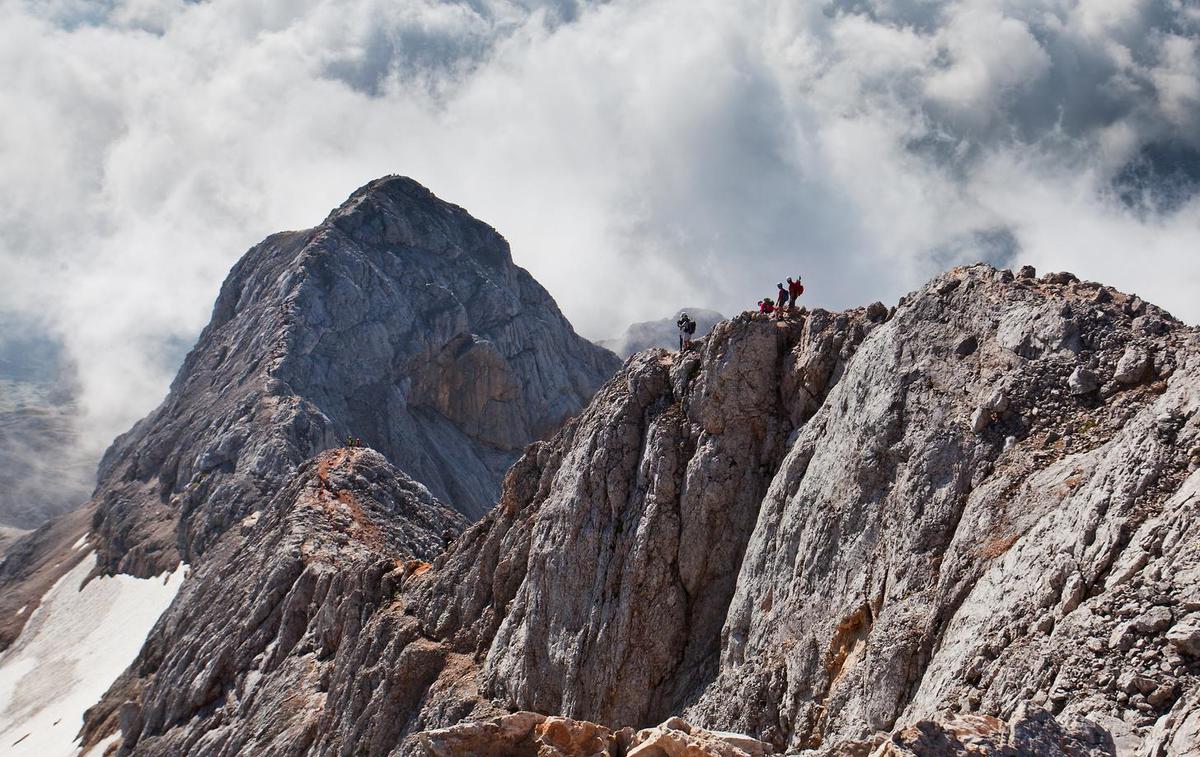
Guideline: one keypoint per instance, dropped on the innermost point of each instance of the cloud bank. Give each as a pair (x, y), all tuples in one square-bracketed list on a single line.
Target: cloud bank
[(637, 155)]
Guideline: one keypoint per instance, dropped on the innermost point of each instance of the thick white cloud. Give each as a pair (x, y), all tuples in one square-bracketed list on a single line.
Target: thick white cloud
[(638, 154)]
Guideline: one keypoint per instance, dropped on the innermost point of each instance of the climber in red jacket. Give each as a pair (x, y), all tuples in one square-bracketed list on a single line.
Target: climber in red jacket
[(766, 306), (795, 289)]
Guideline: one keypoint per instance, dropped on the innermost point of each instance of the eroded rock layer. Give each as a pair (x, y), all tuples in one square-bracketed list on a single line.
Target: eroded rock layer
[(969, 517), (401, 321)]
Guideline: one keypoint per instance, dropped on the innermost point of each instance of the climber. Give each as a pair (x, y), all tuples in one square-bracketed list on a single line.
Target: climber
[(766, 306), (795, 289), (687, 327), (781, 298)]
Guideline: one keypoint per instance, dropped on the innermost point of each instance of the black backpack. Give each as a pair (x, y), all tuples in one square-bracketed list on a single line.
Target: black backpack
[(689, 327)]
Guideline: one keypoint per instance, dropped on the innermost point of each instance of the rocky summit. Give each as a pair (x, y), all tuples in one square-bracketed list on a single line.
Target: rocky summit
[(966, 524), (899, 531), (400, 321)]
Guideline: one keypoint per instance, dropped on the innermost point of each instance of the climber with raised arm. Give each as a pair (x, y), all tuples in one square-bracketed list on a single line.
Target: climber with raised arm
[(795, 289), (687, 328)]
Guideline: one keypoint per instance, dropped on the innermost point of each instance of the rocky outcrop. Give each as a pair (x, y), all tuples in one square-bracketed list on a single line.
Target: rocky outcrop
[(530, 734), (274, 604), (1033, 731), (881, 529), (624, 535), (907, 562), (400, 321), (661, 333)]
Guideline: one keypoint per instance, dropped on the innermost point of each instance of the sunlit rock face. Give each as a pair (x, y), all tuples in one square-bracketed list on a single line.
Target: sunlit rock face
[(825, 530), (965, 522), (401, 321)]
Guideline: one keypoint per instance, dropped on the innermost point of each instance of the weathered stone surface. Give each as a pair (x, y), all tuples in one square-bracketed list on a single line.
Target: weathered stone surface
[(249, 645), (903, 566), (1185, 635), (1082, 381), (529, 734), (1033, 731), (1133, 365), (796, 533), (515, 735), (400, 320)]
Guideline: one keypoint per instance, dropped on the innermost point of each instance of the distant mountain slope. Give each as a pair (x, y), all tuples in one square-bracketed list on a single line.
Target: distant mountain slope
[(44, 468), (9, 535), (661, 333)]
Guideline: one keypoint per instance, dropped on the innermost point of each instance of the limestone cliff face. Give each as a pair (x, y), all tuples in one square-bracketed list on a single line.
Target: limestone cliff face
[(598, 586), (997, 503), (400, 320), (272, 603), (826, 532), (817, 531)]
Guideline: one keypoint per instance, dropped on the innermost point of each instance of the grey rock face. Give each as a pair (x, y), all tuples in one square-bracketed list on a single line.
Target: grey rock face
[(1082, 381), (903, 565), (662, 333), (642, 551), (1033, 731), (1133, 366), (800, 532), (274, 603), (400, 320)]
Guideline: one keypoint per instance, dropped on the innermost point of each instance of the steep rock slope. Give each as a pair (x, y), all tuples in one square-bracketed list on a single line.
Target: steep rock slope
[(273, 602), (816, 531), (401, 320), (599, 583), (999, 482)]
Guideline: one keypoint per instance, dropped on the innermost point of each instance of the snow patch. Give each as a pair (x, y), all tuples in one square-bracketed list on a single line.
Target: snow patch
[(22, 610), (81, 543), (73, 647)]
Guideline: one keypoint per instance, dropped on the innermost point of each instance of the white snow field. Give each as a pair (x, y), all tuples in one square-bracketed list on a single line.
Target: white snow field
[(74, 646)]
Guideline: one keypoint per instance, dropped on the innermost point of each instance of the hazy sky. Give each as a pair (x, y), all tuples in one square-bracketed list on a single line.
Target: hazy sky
[(638, 155)]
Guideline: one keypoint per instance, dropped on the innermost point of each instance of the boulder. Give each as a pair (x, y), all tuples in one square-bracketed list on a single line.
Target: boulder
[(1133, 366), (1082, 381), (1185, 635)]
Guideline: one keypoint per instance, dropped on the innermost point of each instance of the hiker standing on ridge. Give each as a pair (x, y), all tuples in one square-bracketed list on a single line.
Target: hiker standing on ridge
[(795, 289), (687, 327), (781, 298)]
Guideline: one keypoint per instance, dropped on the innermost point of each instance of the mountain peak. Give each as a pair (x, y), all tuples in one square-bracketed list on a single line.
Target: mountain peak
[(400, 213), (400, 320)]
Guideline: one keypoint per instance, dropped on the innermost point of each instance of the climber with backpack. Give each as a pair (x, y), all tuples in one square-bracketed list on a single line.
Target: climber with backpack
[(795, 289), (766, 306), (687, 328), (781, 298)]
